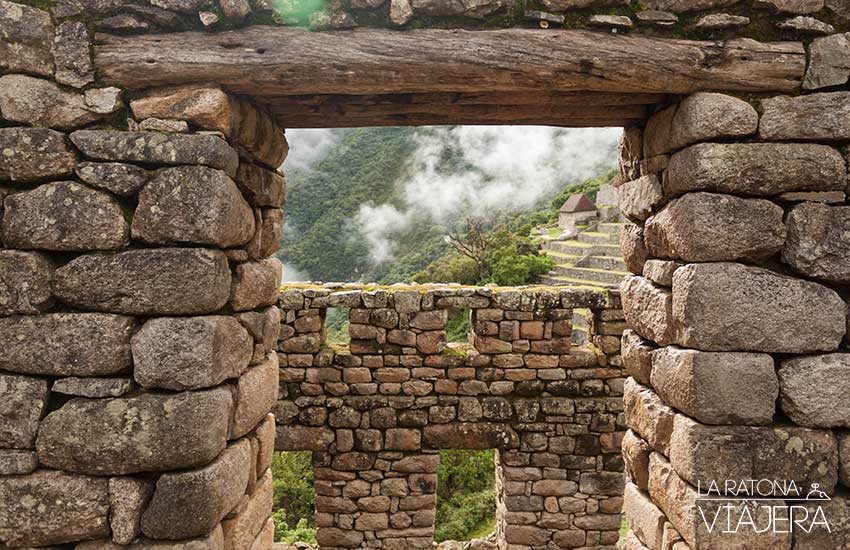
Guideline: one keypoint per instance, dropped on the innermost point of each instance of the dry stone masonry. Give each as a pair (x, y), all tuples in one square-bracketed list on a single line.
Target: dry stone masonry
[(145, 341), (737, 314), (376, 412)]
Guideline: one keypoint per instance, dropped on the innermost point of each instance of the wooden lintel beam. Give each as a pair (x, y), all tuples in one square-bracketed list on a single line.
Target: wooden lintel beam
[(266, 61)]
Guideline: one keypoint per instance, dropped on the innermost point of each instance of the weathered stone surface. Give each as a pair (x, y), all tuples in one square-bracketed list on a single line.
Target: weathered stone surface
[(39, 102), (679, 502), (34, 153), (821, 116), (183, 353), (633, 248), (791, 6), (704, 454), (637, 356), (71, 54), (814, 390), (256, 284), (710, 227), (732, 307), (265, 442), (160, 125), (66, 344), (648, 309), (401, 12), (154, 148), (213, 541), (807, 25), (262, 186), (760, 169), (302, 438), (151, 432), (636, 459), (699, 117), (639, 198), (467, 8), (646, 521), (241, 530), (128, 497), (193, 204), (210, 493), (16, 462), (267, 236), (251, 129), (661, 272), (829, 62), (837, 510), (717, 387), (684, 6), (818, 244), (115, 177), (717, 21), (48, 507), (64, 216), (844, 457), (648, 416), (470, 436), (27, 39), (22, 402), (155, 281), (94, 388), (24, 282), (256, 394)]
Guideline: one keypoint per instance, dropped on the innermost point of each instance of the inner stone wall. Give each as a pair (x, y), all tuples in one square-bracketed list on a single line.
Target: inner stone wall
[(737, 348), (376, 412)]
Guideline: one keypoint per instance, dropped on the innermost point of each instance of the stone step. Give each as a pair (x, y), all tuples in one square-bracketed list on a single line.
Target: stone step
[(572, 282), (610, 263), (590, 274), (576, 248), (594, 237), (611, 228)]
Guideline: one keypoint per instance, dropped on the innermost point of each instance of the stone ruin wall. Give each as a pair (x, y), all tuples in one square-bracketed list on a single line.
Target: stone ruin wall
[(376, 412), (127, 394), (737, 350)]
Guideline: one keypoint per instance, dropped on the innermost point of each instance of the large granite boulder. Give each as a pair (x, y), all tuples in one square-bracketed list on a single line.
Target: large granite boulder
[(648, 416), (716, 387), (647, 309), (64, 216), (155, 148), (814, 390), (818, 244), (47, 507), (116, 177), (210, 493), (147, 433), (829, 62), (704, 454), (34, 154), (193, 204), (66, 344), (24, 282), (759, 169), (22, 402), (37, 102), (633, 248), (152, 281), (710, 227), (810, 117), (183, 353), (213, 541), (702, 116), (733, 307), (256, 284), (27, 44), (262, 186), (256, 393)]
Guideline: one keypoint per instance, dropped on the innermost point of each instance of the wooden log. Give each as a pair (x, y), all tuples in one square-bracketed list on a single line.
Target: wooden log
[(272, 61), (317, 121)]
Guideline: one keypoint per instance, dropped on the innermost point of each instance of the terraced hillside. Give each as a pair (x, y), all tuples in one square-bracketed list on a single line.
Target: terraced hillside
[(592, 259)]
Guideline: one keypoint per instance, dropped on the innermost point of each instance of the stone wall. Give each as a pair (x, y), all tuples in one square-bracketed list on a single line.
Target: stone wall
[(138, 316), (376, 412), (737, 348)]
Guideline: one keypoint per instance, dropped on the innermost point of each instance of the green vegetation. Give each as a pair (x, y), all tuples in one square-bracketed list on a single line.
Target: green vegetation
[(466, 495), (294, 500)]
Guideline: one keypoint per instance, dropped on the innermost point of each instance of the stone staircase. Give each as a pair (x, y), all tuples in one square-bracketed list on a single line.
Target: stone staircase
[(591, 259)]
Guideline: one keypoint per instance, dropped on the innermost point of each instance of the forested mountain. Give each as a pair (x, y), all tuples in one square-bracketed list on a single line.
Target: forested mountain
[(383, 204)]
